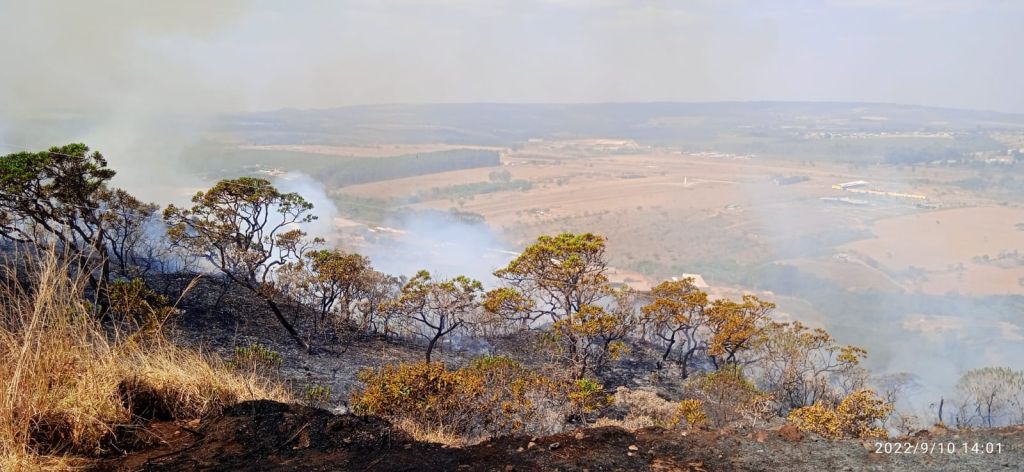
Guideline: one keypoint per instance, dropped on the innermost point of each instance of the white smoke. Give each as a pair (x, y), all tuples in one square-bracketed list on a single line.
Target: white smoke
[(442, 245), (314, 192)]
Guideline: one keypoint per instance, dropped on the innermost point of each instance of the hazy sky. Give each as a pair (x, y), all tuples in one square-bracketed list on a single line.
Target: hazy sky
[(126, 57)]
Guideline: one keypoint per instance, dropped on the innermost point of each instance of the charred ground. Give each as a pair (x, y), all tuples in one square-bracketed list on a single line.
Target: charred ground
[(275, 436)]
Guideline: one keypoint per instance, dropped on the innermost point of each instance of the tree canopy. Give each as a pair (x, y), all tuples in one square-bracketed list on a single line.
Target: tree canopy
[(561, 280), (436, 308), (54, 197), (674, 316), (247, 229)]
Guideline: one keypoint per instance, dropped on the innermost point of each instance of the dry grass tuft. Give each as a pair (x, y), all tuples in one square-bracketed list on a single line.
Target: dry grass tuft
[(70, 386), (643, 408), (438, 435)]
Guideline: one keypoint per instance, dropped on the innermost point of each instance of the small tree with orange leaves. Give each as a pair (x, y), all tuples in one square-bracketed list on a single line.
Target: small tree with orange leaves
[(590, 338), (436, 308), (801, 366), (673, 318), (735, 327), (727, 397), (333, 282), (561, 279)]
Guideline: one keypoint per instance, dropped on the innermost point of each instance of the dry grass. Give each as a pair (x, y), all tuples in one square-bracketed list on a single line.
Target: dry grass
[(646, 406), (629, 423), (643, 409), (439, 435), (71, 387)]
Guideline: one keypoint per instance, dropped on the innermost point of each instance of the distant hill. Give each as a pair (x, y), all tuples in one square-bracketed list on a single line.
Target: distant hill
[(508, 124)]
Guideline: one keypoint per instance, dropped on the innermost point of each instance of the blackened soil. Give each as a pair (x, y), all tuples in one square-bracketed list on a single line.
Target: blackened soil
[(265, 435)]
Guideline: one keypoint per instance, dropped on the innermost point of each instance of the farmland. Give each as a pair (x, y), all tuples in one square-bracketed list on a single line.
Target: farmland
[(668, 212), (928, 269)]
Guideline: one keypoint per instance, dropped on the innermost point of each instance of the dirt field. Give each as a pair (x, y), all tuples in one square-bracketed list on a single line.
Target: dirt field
[(946, 245)]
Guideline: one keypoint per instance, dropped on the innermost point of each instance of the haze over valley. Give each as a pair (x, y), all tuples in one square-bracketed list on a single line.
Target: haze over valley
[(922, 246), (407, 234)]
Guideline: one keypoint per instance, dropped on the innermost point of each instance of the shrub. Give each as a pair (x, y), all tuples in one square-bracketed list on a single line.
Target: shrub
[(138, 308), (728, 397), (507, 385), (426, 393), (644, 408), (318, 395), (858, 415), (587, 396), (256, 357), (491, 396), (133, 299), (691, 411)]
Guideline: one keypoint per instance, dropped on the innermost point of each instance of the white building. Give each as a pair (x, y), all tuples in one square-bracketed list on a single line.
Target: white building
[(698, 280)]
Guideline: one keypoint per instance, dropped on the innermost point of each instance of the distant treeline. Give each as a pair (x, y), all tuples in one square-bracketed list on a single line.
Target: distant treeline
[(469, 190), (782, 144), (337, 171), (922, 155), (993, 183), (771, 126)]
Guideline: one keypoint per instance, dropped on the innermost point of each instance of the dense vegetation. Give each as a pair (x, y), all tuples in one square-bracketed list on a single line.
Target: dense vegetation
[(338, 170)]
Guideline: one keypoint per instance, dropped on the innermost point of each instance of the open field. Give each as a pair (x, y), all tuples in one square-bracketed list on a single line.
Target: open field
[(664, 210), (952, 250)]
